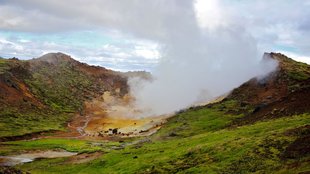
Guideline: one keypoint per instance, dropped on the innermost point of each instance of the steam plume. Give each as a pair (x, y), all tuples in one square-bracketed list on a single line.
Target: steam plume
[(199, 61)]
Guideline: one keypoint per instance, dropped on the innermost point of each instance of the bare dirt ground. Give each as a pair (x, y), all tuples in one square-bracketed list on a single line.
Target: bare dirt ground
[(107, 117)]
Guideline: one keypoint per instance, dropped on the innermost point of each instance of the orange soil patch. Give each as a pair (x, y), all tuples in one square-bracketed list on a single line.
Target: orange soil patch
[(102, 115), (124, 126)]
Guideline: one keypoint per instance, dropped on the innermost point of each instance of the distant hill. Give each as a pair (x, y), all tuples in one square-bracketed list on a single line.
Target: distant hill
[(47, 88)]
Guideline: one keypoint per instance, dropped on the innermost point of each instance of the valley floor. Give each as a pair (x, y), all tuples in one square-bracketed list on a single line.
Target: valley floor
[(199, 140)]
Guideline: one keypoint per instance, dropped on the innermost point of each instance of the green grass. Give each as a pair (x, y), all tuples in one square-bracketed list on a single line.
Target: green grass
[(2, 60), (3, 65), (298, 75), (14, 123), (206, 152), (205, 145), (60, 87), (72, 145), (195, 121), (296, 70)]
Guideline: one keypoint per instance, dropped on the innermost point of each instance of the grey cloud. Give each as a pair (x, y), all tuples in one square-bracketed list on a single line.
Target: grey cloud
[(148, 19), (268, 21), (13, 47)]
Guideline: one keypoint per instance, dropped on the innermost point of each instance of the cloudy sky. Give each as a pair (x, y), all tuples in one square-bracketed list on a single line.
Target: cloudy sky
[(130, 35)]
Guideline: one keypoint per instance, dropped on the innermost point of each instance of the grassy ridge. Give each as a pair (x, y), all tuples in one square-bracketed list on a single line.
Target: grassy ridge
[(295, 70)]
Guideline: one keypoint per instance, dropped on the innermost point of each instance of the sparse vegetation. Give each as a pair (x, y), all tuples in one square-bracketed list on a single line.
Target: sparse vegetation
[(295, 70), (60, 87), (298, 75), (3, 65)]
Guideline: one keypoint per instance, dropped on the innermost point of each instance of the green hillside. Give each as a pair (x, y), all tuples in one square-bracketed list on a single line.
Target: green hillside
[(42, 94)]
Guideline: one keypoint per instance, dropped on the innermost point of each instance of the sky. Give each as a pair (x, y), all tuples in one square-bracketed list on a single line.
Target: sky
[(131, 35)]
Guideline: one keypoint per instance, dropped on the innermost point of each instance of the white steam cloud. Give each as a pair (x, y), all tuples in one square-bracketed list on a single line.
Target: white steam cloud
[(203, 57)]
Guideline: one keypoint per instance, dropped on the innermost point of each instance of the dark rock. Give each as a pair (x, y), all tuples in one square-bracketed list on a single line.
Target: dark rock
[(243, 104), (172, 134), (142, 131), (298, 149), (10, 170), (114, 131), (259, 107)]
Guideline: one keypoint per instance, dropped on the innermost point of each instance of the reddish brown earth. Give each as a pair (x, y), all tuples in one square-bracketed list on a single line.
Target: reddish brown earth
[(13, 91), (277, 95)]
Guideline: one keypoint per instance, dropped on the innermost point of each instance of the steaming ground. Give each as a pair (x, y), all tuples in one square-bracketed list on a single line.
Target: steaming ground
[(177, 88)]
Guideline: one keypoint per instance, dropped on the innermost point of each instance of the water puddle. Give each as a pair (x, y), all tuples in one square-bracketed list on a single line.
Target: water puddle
[(29, 157)]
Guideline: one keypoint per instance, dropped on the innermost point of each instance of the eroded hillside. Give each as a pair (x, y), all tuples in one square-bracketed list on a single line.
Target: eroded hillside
[(284, 92), (39, 94)]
